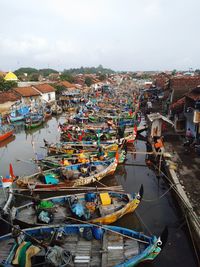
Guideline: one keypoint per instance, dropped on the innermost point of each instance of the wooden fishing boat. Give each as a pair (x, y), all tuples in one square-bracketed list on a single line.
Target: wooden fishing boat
[(47, 114), (5, 132), (70, 176), (61, 160), (77, 147), (34, 121), (103, 207), (18, 113), (56, 109), (6, 141), (79, 245)]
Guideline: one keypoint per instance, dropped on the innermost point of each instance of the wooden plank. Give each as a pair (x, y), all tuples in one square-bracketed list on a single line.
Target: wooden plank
[(104, 248)]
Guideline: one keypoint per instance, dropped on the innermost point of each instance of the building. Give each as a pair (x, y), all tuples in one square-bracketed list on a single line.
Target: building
[(27, 94), (10, 76), (7, 99), (47, 92)]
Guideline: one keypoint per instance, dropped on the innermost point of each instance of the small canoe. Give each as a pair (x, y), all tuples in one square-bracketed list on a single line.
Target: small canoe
[(103, 207), (70, 176), (79, 245)]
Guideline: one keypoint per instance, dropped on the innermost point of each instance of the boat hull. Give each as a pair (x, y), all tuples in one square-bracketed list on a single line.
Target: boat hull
[(110, 245), (6, 135), (81, 181)]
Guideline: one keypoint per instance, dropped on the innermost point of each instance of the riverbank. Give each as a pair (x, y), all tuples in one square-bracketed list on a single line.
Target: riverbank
[(182, 169)]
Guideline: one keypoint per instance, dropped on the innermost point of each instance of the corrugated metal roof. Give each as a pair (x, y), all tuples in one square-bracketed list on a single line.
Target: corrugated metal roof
[(156, 116)]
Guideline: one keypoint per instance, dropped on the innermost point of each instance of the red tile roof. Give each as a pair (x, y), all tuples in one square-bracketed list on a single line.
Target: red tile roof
[(66, 84), (45, 88), (26, 91), (8, 96)]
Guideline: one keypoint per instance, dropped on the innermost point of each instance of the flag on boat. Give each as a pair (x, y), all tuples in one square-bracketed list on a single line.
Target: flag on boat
[(6, 181)]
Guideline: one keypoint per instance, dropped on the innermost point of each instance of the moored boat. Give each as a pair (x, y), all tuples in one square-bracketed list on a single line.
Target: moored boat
[(34, 121), (61, 160), (70, 176), (103, 207), (5, 132), (77, 147), (79, 245)]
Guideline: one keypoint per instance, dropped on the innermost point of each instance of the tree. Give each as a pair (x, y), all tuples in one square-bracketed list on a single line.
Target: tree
[(88, 81), (67, 77), (6, 85), (34, 77), (102, 77), (174, 72), (59, 88), (197, 71)]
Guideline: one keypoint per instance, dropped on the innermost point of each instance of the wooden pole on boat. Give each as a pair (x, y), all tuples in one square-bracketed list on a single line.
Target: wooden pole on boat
[(160, 163), (111, 188)]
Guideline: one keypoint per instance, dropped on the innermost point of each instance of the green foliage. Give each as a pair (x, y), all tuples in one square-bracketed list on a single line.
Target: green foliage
[(29, 71), (59, 88), (34, 77), (89, 70), (46, 72), (65, 76), (102, 77), (197, 71), (174, 72), (88, 81), (6, 85)]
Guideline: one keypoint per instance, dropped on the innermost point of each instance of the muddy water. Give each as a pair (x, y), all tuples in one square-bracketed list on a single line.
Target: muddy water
[(155, 211)]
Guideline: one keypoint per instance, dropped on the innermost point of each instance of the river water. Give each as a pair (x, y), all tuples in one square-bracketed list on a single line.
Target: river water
[(155, 211)]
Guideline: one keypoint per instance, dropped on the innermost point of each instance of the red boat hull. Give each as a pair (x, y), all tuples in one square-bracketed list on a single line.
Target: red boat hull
[(6, 135)]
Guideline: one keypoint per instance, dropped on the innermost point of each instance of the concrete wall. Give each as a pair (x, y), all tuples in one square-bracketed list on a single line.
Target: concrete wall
[(48, 97), (6, 106)]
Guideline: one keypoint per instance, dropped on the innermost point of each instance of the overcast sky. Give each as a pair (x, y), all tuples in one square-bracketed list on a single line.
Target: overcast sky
[(119, 34)]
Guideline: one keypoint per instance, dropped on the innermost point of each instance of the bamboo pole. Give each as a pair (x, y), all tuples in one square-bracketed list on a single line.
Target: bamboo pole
[(111, 188)]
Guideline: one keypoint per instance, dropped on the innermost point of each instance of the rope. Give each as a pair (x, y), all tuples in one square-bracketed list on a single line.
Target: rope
[(101, 183), (152, 200), (143, 223), (178, 194), (33, 238)]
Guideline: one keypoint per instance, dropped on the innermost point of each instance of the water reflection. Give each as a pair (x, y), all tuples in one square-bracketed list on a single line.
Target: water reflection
[(154, 212)]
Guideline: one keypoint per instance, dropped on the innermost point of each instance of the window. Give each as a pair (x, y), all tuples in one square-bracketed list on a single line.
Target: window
[(49, 97)]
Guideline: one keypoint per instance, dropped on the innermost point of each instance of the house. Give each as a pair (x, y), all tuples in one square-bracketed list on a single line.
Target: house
[(179, 86), (185, 112), (27, 94), (46, 91), (7, 99), (177, 115), (70, 89), (155, 121), (192, 111)]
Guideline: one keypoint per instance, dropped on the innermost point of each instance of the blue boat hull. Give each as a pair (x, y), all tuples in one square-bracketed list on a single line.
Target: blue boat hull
[(150, 251)]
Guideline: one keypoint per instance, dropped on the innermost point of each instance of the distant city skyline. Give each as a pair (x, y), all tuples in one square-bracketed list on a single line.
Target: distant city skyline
[(127, 35)]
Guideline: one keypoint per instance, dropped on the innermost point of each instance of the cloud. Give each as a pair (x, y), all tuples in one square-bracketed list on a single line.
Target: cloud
[(122, 34)]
